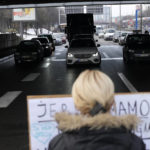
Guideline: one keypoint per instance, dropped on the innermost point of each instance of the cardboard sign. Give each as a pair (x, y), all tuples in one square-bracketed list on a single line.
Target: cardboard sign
[(42, 126)]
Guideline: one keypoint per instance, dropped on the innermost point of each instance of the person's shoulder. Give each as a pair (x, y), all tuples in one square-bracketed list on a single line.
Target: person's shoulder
[(137, 143), (55, 141)]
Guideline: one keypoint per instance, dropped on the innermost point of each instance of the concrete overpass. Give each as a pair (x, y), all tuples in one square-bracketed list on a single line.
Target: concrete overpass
[(60, 3)]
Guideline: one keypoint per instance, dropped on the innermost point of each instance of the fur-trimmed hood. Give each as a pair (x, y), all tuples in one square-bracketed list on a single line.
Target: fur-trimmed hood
[(68, 122)]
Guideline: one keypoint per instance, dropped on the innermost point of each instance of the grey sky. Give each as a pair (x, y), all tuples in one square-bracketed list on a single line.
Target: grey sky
[(125, 10)]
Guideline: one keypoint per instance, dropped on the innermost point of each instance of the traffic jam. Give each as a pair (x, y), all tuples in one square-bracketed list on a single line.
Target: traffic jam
[(43, 50)]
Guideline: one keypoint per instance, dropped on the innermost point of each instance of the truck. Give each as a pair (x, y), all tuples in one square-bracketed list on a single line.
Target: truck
[(80, 25)]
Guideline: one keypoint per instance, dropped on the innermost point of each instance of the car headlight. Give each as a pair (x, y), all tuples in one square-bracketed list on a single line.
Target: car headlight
[(96, 54), (131, 51), (70, 55), (46, 46)]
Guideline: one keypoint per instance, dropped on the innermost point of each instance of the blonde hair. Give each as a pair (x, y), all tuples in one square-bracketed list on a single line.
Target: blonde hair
[(90, 87)]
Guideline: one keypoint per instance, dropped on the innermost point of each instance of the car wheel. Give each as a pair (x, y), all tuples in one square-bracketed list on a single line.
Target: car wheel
[(126, 60), (99, 62), (54, 48)]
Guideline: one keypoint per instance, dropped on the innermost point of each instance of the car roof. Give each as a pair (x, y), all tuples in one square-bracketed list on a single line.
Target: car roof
[(44, 34), (33, 41), (27, 41), (40, 38), (138, 35)]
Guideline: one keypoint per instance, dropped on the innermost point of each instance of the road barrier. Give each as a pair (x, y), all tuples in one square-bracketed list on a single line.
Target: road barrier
[(8, 42)]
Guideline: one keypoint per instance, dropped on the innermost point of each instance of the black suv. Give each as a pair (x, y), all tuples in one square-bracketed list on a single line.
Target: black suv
[(50, 38), (136, 47), (28, 51), (46, 45)]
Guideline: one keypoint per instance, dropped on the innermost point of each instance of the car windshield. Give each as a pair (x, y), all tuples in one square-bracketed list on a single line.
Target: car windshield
[(82, 43), (42, 40), (138, 39), (48, 36), (28, 46), (111, 31), (123, 34)]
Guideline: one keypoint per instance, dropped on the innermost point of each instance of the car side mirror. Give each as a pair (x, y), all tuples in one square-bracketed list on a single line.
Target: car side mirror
[(98, 45), (66, 46)]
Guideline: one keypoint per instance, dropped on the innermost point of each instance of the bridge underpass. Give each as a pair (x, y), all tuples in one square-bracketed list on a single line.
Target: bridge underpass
[(51, 76)]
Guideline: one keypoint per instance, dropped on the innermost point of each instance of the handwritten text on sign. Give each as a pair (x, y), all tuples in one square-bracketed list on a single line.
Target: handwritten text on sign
[(42, 126)]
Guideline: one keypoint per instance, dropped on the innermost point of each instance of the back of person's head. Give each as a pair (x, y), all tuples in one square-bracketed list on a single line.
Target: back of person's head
[(91, 87)]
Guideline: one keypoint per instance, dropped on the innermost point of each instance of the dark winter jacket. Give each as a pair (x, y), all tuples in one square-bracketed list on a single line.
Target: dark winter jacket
[(101, 132)]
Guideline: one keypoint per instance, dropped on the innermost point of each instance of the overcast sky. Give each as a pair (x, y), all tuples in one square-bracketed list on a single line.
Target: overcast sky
[(125, 10)]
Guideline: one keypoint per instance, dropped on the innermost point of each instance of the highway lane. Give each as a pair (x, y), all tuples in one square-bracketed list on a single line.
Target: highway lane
[(51, 76)]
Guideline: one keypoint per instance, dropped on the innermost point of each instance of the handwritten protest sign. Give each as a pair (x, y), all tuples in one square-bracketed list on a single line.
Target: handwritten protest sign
[(42, 126)]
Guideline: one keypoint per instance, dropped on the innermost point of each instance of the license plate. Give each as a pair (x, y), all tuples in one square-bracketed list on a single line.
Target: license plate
[(25, 56), (83, 60)]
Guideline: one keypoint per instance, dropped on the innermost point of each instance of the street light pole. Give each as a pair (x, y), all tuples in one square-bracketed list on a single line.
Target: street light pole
[(59, 16), (120, 17), (136, 19)]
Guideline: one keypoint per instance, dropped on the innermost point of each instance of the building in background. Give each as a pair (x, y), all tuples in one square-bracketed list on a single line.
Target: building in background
[(102, 14)]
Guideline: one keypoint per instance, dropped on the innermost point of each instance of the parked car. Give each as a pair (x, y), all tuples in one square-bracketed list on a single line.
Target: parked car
[(109, 34), (98, 29), (28, 51), (83, 51), (101, 34), (116, 36), (46, 45), (122, 37), (60, 38), (137, 47), (50, 38)]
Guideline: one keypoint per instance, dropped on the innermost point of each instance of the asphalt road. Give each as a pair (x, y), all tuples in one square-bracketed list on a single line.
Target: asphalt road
[(51, 76)]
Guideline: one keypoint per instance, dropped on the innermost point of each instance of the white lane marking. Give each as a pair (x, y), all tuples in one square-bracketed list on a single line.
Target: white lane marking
[(117, 58), (106, 56), (57, 54), (54, 59), (60, 50), (127, 82), (31, 77), (46, 65), (8, 98), (7, 57)]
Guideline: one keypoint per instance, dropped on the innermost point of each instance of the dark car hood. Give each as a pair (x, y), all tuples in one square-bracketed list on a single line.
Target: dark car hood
[(138, 47), (83, 50)]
